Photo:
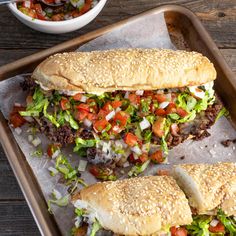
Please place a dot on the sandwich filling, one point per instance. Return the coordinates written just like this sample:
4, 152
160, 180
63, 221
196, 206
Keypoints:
86, 223
122, 127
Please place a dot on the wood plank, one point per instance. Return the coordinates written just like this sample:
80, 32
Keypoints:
16, 219
218, 17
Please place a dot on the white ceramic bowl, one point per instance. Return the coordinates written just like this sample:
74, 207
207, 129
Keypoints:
58, 27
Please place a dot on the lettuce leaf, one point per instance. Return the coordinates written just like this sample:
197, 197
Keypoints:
138, 169
223, 112
95, 227
82, 143
228, 222
51, 118
68, 117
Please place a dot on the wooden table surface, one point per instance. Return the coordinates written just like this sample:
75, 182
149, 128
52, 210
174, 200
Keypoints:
16, 41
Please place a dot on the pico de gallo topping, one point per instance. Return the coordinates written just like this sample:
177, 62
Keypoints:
68, 9
122, 128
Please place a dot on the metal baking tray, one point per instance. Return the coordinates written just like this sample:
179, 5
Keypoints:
186, 32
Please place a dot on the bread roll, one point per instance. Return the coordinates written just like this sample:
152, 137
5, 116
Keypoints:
208, 186
138, 206
123, 69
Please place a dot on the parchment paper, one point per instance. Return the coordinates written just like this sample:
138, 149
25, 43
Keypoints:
149, 32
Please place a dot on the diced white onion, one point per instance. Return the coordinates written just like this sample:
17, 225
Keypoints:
80, 204
82, 165
87, 122
53, 170
83, 98
17, 104
214, 223
106, 146
144, 124
139, 92
164, 105
126, 164
30, 138
136, 150
127, 94
18, 130
78, 221
160, 91
110, 115
135, 156
28, 118
56, 153
27, 4
36, 141
168, 97
118, 109
195, 91
56, 194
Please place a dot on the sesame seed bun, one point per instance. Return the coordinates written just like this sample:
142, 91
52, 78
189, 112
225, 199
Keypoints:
208, 186
124, 69
138, 206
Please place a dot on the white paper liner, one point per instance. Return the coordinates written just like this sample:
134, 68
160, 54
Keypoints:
148, 32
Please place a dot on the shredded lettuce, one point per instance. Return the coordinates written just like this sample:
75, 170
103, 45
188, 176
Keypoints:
37, 153
151, 118
68, 117
51, 118
137, 169
79, 212
223, 112
164, 145
199, 226
228, 222
147, 135
63, 201
95, 227
82, 143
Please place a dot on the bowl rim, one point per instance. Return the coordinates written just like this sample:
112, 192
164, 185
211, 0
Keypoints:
13, 7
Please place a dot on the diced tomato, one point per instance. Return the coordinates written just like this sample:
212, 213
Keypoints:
157, 157
121, 118
86, 7
158, 127
131, 139
49, 1
116, 104
77, 96
171, 108
15, 118
92, 105
100, 125
160, 97
107, 107
174, 129
102, 113
160, 112
92, 116
181, 112
81, 115
52, 148
148, 93
178, 231
83, 106
41, 17
58, 17
134, 99
65, 104
75, 13
94, 171
163, 172
143, 158
219, 228
38, 8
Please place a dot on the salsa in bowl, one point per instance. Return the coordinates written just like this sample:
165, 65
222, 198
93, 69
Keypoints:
69, 19
68, 9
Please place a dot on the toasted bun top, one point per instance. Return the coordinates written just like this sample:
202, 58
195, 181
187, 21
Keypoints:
208, 186
123, 69
138, 206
